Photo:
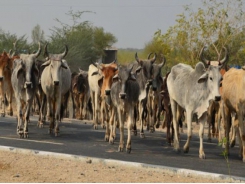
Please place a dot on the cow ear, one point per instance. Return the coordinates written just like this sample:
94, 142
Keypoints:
35, 70
115, 78
74, 85
95, 73
203, 78
132, 77
46, 63
100, 82
63, 65
138, 70
20, 70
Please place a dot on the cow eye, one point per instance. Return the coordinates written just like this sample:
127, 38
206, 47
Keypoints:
211, 78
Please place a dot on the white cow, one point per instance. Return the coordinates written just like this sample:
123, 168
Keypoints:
55, 82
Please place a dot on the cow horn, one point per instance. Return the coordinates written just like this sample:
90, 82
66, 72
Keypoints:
148, 57
154, 58
225, 58
65, 52
46, 54
204, 60
39, 50
10, 52
136, 58
163, 60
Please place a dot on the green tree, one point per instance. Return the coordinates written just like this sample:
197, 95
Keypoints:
216, 24
37, 35
86, 42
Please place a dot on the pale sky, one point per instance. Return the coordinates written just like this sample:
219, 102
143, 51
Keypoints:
132, 22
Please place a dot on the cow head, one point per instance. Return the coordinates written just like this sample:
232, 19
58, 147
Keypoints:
4, 65
156, 73
107, 71
124, 76
147, 67
27, 67
55, 62
78, 82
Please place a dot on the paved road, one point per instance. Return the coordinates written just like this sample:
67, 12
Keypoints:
78, 138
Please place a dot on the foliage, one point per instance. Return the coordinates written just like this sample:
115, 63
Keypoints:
7, 39
216, 24
37, 35
86, 42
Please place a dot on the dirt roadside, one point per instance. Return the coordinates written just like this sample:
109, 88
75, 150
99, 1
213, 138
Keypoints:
17, 167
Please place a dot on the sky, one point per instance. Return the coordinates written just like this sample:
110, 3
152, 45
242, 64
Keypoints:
132, 22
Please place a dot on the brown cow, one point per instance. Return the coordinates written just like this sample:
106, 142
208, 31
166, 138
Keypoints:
5, 84
80, 94
234, 102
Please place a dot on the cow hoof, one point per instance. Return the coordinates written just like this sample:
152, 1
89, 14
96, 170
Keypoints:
50, 131
177, 150
233, 143
2, 114
120, 149
128, 150
106, 138
56, 134
202, 156
135, 132
26, 135
186, 149
95, 127
142, 135
10, 113
103, 126
111, 141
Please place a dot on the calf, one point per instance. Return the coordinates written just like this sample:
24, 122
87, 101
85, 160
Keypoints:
80, 94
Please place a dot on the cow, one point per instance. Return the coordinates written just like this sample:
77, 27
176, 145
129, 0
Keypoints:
80, 94
144, 79
190, 90
24, 80
107, 71
55, 82
125, 92
5, 84
94, 81
234, 103
154, 106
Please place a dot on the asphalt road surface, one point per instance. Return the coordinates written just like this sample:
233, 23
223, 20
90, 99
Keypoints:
78, 138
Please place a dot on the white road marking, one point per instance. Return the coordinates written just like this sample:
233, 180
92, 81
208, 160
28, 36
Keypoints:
18, 139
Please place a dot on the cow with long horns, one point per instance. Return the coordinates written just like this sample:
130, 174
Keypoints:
191, 90
55, 82
24, 80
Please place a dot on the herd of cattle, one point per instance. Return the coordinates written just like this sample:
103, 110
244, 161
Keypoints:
112, 94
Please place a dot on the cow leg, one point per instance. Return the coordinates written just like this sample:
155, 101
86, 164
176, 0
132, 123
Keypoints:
141, 114
121, 122
57, 115
19, 118
227, 124
129, 126
112, 125
27, 115
2, 101
242, 131
234, 126
189, 132
175, 124
41, 120
202, 120
9, 96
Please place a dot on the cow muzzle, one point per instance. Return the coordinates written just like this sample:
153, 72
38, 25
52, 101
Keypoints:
107, 92
28, 85
1, 78
56, 83
122, 95
217, 98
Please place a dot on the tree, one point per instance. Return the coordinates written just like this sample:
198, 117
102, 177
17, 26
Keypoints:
217, 24
86, 42
37, 35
